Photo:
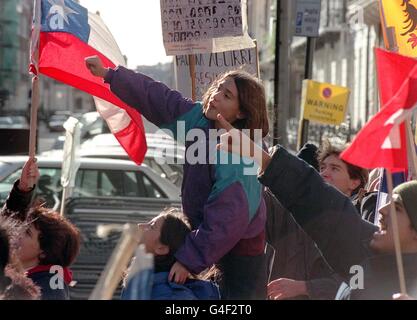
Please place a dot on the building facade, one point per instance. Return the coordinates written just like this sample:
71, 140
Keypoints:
343, 55
15, 84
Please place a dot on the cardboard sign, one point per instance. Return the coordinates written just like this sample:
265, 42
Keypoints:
323, 102
194, 26
209, 66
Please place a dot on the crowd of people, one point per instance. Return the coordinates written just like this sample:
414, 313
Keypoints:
296, 230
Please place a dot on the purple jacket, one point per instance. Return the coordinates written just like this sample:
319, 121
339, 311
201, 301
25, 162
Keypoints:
222, 203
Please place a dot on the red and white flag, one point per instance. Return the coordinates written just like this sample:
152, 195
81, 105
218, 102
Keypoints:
382, 141
66, 33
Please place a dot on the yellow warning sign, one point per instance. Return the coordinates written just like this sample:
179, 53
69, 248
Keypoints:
323, 102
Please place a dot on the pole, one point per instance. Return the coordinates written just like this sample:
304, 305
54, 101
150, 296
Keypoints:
35, 98
34, 116
64, 196
390, 44
276, 73
393, 215
411, 149
191, 59
303, 127
258, 69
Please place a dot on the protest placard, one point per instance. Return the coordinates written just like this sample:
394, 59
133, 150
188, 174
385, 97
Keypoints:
208, 66
200, 26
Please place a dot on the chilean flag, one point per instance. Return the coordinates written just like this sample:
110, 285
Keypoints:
66, 33
382, 141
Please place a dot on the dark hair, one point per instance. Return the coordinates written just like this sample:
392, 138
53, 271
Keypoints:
354, 172
58, 238
4, 258
252, 102
14, 285
174, 229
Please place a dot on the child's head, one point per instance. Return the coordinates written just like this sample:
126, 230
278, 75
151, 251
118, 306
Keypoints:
240, 99
165, 233
14, 285
49, 240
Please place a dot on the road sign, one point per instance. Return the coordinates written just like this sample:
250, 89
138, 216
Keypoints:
324, 103
307, 18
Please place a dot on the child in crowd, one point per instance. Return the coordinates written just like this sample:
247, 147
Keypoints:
162, 236
49, 244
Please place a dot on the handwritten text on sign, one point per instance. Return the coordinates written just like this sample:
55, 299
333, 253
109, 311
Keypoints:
209, 66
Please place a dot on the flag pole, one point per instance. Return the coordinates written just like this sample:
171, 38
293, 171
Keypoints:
393, 215
191, 59
35, 96
35, 100
390, 44
411, 149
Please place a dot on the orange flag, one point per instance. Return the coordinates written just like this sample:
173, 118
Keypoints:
399, 24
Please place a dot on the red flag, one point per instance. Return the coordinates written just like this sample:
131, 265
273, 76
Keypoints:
382, 141
69, 34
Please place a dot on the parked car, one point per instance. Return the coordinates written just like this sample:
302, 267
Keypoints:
167, 165
107, 192
14, 122
93, 124
95, 178
57, 120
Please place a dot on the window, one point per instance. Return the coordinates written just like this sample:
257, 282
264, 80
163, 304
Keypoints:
115, 183
86, 183
49, 177
78, 104
49, 185
132, 187
151, 189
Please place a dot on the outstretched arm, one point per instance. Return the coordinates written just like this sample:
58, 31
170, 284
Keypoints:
158, 103
324, 213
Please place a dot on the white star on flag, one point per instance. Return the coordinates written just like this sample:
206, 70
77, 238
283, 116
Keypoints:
59, 7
